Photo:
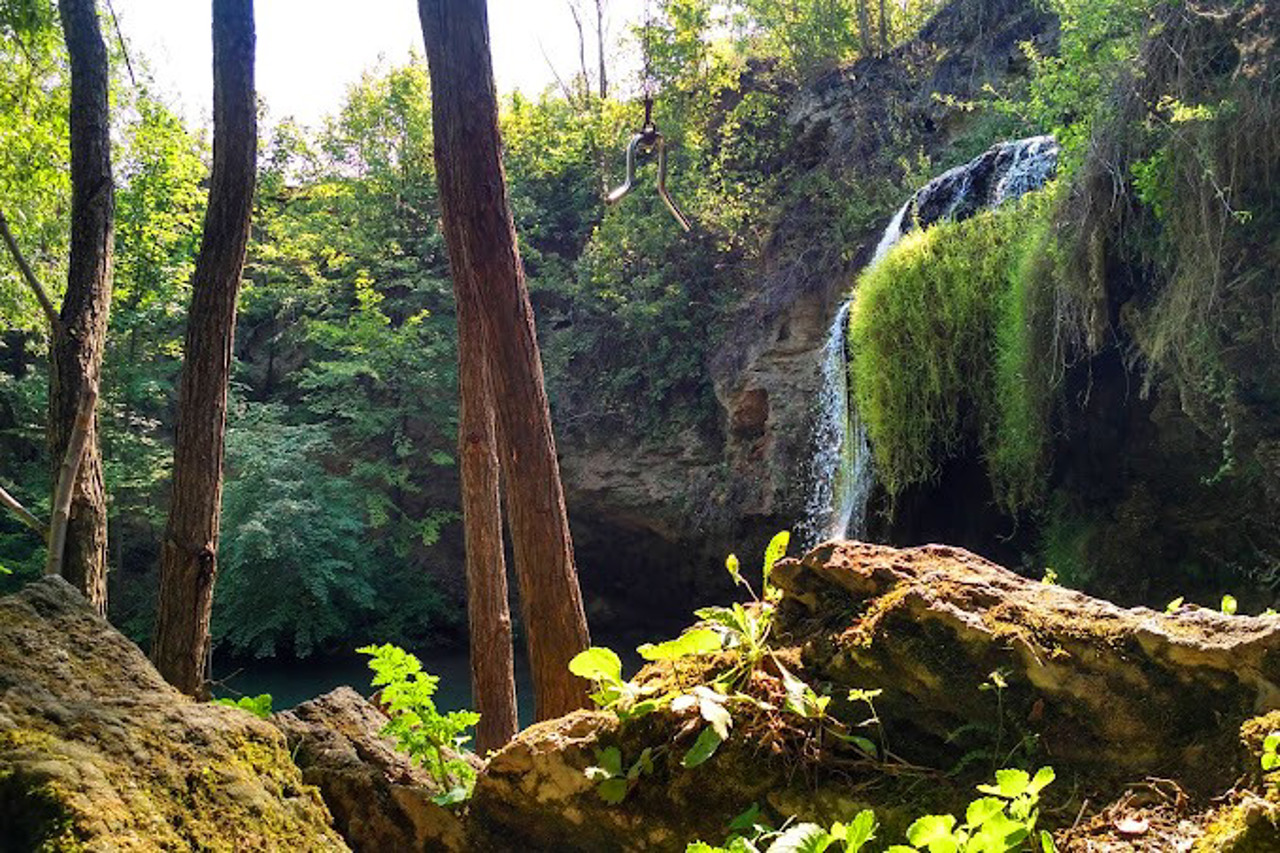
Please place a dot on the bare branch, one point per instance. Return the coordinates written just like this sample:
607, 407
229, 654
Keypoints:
21, 511
568, 93
67, 479
27, 274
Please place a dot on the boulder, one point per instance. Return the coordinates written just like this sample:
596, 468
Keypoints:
379, 798
1120, 692
1108, 696
97, 752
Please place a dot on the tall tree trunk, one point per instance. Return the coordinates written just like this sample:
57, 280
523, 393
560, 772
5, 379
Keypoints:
189, 554
489, 279
80, 335
493, 682
865, 35
884, 27
604, 78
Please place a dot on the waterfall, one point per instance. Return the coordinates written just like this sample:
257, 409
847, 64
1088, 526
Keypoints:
841, 471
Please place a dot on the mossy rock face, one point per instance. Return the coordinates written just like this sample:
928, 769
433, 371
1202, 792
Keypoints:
1112, 691
97, 752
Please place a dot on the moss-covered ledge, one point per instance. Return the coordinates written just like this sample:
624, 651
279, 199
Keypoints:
98, 753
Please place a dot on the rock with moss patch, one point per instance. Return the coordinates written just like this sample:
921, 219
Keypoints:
97, 752
379, 798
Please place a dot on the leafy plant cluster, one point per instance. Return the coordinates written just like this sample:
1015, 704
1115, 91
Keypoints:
1003, 821
434, 740
259, 706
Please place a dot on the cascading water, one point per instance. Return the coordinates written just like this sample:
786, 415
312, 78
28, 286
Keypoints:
841, 471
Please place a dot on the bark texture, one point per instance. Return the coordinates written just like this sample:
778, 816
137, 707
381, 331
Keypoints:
189, 554
493, 682
489, 279
80, 335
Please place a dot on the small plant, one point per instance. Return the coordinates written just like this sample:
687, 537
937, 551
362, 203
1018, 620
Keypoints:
1271, 752
432, 739
796, 838
259, 706
615, 780
1229, 605
1002, 822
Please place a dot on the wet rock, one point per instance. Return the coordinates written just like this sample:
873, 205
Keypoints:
380, 800
97, 752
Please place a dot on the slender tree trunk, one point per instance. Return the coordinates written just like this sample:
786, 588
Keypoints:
189, 554
604, 78
884, 27
489, 279
80, 334
864, 27
493, 681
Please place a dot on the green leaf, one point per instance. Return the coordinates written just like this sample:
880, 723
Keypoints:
1229, 605
1270, 761
1009, 783
983, 809
453, 796
610, 759
704, 747
773, 553
699, 641
934, 832
860, 831
802, 838
746, 820
1046, 842
1172, 606
612, 791
597, 664
734, 567
1044, 776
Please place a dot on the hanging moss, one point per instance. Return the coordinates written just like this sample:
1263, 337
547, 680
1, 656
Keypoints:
947, 341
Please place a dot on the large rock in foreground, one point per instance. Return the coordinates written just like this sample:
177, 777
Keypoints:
1123, 692
97, 752
380, 799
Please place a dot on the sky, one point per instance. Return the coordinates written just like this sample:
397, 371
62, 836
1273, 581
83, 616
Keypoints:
309, 51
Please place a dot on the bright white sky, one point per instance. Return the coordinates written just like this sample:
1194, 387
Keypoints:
309, 51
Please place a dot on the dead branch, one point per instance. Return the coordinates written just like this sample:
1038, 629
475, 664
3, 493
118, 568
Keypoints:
28, 274
21, 511
67, 479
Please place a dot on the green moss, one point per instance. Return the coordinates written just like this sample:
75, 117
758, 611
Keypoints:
946, 336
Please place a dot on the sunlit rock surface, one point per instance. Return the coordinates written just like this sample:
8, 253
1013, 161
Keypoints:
98, 753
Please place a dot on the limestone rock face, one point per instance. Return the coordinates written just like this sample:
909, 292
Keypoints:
1121, 691
97, 752
380, 800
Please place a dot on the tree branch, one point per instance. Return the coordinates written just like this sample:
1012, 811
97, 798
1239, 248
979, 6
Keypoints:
67, 480
27, 274
21, 511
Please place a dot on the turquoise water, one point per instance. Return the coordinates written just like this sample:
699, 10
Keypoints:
291, 682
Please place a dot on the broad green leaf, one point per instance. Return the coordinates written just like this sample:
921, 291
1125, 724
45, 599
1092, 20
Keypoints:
1270, 761
642, 766
1009, 783
597, 664
1044, 776
704, 747
610, 759
612, 791
1046, 842
1229, 605
1173, 606
983, 809
802, 838
1272, 742
933, 832
699, 641
860, 831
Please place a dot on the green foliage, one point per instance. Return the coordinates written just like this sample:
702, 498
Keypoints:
1271, 751
1004, 821
282, 509
849, 837
616, 780
433, 739
259, 706
945, 351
